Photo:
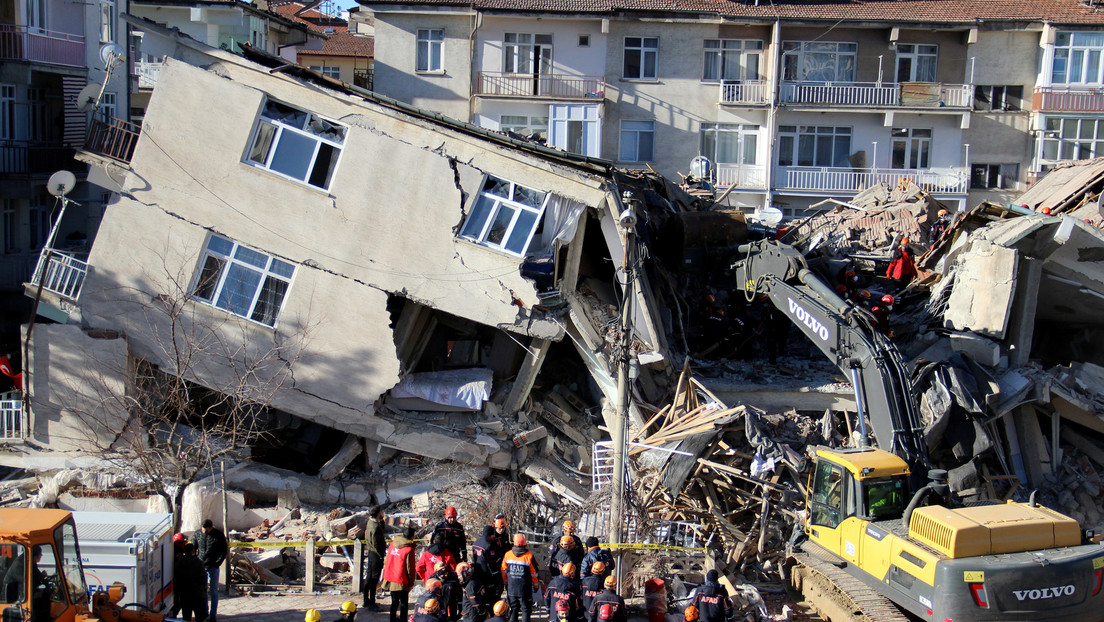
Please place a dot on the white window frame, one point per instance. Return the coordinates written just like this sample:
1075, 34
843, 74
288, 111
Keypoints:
645, 49
917, 54
525, 125
1071, 138
516, 209
108, 19
327, 70
280, 129
731, 60
109, 105
916, 146
37, 16
1080, 56
581, 121
7, 112
213, 282
809, 134
430, 51
799, 56
520, 53
637, 142
746, 140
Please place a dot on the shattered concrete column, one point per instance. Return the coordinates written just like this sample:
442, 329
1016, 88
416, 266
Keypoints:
534, 359
343, 458
1021, 325
1036, 458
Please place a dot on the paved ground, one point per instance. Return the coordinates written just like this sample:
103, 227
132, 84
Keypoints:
289, 607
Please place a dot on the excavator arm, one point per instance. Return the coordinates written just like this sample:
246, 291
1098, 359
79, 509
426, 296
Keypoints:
847, 336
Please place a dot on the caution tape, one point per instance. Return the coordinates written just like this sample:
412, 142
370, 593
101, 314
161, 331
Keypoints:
608, 545
651, 547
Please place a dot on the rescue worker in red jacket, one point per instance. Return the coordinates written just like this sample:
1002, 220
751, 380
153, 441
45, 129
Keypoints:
712, 600
608, 606
398, 573
592, 585
563, 592
436, 553
902, 267
519, 573
455, 540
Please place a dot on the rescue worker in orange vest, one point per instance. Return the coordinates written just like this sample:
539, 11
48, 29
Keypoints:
712, 600
592, 585
563, 591
398, 573
608, 606
519, 573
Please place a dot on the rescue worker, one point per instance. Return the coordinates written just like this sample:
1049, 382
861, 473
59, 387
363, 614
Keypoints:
473, 604
398, 573
450, 590
500, 609
436, 553
575, 552
712, 601
595, 554
429, 611
939, 227
432, 587
454, 537
348, 611
485, 566
502, 541
608, 606
690, 614
902, 267
592, 585
881, 313
374, 550
312, 615
519, 573
563, 594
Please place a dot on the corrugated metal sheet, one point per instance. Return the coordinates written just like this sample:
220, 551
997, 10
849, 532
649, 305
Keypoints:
101, 532
1064, 185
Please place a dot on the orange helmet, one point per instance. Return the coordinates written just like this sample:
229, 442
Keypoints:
432, 605
439, 566
691, 613
904, 241
463, 569
433, 584
598, 568
941, 212
519, 539
450, 512
611, 582
568, 569
1045, 211
500, 523
501, 607
567, 542
569, 527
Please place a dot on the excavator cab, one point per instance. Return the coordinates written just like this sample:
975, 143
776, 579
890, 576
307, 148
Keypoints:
41, 577
867, 483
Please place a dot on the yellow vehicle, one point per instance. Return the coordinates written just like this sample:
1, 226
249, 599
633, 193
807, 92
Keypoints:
41, 577
882, 542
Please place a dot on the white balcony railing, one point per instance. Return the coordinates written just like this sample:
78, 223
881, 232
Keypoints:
11, 416
742, 175
540, 85
62, 275
148, 72
949, 180
745, 92
905, 94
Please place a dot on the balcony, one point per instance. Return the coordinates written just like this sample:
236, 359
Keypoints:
112, 138
147, 72
498, 84
742, 176
948, 180
875, 94
60, 273
22, 157
1068, 99
749, 92
41, 46
11, 416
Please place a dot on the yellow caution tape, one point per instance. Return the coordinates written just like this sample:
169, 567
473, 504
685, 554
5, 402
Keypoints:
608, 545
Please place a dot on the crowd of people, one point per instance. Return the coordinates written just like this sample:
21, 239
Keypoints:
196, 565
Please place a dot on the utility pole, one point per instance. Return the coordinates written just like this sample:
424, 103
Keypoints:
627, 223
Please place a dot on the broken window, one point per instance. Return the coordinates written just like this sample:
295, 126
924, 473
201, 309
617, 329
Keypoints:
998, 98
296, 144
505, 216
242, 281
994, 176
431, 50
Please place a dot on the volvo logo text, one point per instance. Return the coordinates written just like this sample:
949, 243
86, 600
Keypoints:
1046, 592
807, 319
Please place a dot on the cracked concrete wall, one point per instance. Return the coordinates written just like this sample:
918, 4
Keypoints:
387, 225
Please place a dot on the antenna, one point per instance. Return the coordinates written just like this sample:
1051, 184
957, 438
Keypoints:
89, 97
111, 54
61, 183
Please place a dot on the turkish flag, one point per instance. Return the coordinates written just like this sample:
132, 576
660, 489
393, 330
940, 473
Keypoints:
6, 369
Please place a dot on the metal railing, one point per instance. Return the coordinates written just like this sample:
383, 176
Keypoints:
741, 175
1068, 98
11, 416
148, 72
540, 85
112, 138
60, 273
950, 180
745, 92
41, 45
906, 94
22, 157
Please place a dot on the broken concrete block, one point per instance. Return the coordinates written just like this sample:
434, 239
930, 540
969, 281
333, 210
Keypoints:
500, 460
530, 436
549, 446
976, 347
1088, 377
343, 458
419, 503
981, 298
492, 426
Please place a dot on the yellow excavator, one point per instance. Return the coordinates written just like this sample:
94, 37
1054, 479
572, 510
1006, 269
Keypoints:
41, 576
881, 543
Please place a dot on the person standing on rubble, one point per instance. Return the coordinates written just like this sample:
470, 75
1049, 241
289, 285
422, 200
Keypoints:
593, 555
902, 267
939, 227
398, 573
435, 554
454, 537
473, 604
712, 600
485, 565
592, 585
608, 606
563, 595
519, 573
375, 547
212, 548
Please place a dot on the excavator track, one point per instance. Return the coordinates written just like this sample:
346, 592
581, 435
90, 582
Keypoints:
837, 595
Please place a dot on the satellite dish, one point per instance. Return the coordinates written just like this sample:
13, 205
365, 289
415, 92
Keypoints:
61, 183
86, 99
771, 215
111, 54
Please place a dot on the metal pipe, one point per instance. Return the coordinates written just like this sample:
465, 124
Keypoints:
864, 440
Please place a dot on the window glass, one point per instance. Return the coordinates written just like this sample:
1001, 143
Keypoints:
637, 138
1077, 58
641, 56
296, 144
827, 146
885, 497
242, 281
827, 497
505, 216
71, 562
430, 50
13, 572
819, 61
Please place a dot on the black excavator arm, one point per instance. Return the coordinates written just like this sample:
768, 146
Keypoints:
847, 336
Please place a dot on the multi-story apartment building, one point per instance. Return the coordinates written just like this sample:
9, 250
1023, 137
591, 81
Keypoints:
790, 102
345, 55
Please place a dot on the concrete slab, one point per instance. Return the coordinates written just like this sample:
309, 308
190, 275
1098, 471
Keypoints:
981, 298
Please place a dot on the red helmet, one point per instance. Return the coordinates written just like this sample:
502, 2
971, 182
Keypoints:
605, 612
841, 289
500, 523
887, 300
1045, 211
450, 512
904, 241
179, 538
519, 539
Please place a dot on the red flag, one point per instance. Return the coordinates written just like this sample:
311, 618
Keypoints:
6, 369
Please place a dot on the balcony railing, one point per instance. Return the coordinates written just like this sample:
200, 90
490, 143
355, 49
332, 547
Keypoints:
11, 416
950, 180
61, 273
148, 72
745, 92
742, 175
112, 138
905, 94
41, 45
1068, 98
21, 157
540, 85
